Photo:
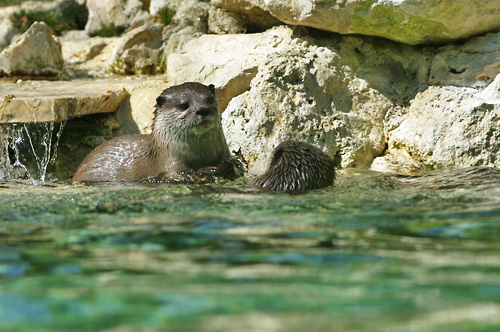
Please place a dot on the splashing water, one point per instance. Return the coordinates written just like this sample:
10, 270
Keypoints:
30, 148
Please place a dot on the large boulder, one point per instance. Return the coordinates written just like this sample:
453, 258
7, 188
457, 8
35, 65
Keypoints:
138, 51
408, 21
446, 127
36, 54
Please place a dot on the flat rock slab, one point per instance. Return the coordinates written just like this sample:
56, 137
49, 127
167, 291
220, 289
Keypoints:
46, 101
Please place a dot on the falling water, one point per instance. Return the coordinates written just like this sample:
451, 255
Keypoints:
30, 148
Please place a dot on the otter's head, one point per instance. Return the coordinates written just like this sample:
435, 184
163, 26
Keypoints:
186, 111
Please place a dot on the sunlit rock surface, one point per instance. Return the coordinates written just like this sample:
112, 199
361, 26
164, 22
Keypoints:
447, 127
408, 21
78, 51
227, 61
138, 51
36, 54
56, 101
120, 13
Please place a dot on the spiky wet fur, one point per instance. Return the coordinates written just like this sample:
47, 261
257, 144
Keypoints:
296, 166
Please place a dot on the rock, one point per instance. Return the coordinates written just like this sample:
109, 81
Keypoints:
227, 61
37, 54
221, 21
191, 13
408, 21
252, 14
120, 13
83, 50
74, 36
474, 64
446, 127
138, 51
57, 101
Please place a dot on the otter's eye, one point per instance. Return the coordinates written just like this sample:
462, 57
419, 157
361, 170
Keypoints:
183, 106
161, 100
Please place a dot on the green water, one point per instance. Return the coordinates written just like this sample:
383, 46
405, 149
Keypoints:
373, 253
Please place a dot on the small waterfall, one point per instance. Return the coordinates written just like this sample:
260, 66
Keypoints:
29, 148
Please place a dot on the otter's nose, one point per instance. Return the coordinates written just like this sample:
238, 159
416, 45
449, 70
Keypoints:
204, 111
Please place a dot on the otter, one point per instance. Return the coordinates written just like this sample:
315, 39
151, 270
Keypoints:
186, 135
296, 166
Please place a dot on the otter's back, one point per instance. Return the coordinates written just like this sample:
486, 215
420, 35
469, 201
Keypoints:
111, 161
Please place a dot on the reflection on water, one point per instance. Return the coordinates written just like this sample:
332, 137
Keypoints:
373, 253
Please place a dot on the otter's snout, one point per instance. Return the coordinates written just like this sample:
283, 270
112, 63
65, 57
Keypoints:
203, 111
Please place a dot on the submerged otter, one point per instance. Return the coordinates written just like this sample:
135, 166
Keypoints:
186, 135
296, 166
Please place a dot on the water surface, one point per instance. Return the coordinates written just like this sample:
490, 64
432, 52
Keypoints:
375, 252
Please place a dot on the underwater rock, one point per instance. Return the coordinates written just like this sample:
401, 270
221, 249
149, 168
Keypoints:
36, 54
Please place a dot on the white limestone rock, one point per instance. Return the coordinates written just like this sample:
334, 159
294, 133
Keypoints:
36, 54
120, 13
138, 51
227, 61
221, 21
446, 127
84, 50
34, 101
408, 21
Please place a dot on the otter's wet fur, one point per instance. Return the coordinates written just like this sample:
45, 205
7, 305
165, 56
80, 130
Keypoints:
186, 134
296, 166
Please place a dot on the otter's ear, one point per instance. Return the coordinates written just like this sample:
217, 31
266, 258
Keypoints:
212, 88
160, 100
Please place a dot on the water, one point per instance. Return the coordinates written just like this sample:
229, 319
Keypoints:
373, 253
30, 148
